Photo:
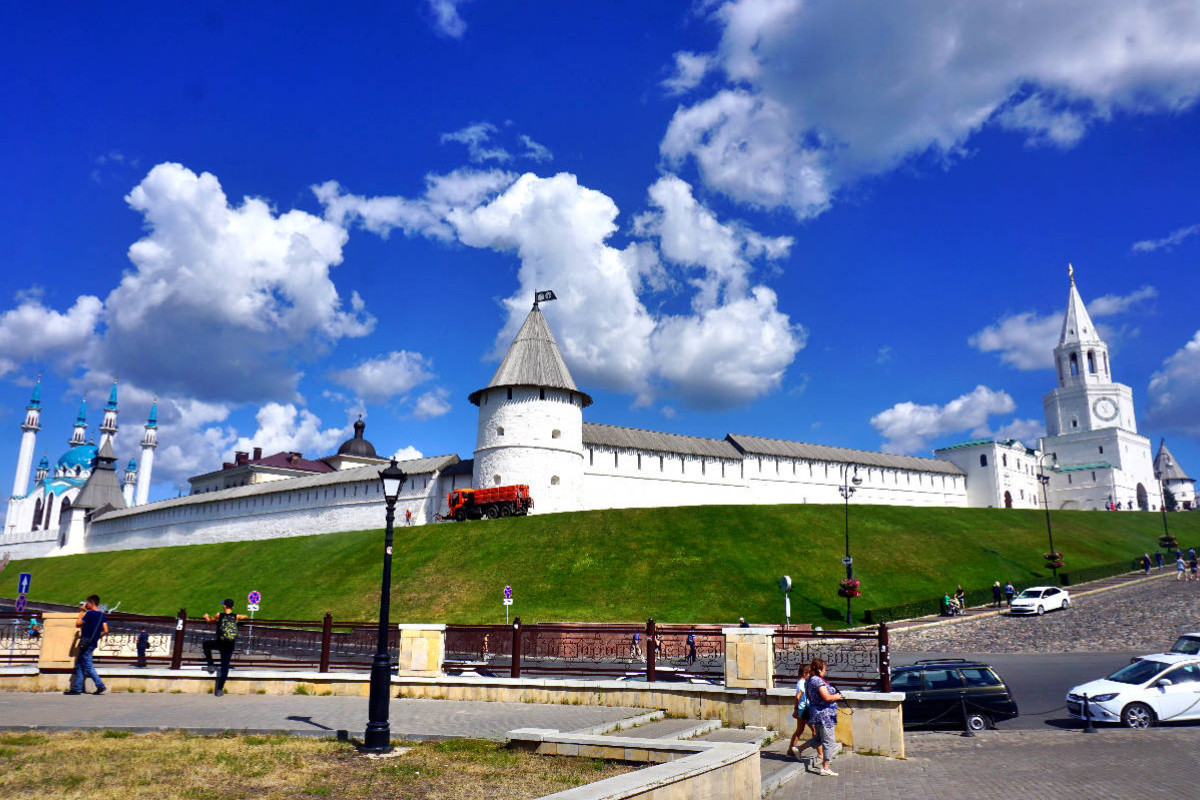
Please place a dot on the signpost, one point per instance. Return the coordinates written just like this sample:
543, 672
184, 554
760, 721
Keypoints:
252, 601
23, 581
21, 604
785, 586
507, 602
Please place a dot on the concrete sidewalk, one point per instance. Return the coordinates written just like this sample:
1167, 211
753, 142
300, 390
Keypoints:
1110, 764
292, 714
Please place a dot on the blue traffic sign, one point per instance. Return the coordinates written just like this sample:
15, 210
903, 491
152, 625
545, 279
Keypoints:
254, 597
508, 593
20, 604
23, 581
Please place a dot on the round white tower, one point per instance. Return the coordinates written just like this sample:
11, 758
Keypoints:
29, 432
149, 442
129, 482
531, 421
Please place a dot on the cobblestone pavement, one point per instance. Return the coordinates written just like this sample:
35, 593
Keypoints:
1031, 765
295, 714
1143, 617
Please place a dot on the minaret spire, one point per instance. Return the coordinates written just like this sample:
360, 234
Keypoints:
79, 436
29, 431
108, 428
149, 442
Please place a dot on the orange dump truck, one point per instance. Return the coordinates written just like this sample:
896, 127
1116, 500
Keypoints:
498, 501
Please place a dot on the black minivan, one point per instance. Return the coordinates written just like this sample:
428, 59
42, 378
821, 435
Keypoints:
936, 691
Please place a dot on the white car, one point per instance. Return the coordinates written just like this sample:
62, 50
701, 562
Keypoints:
1040, 599
1152, 689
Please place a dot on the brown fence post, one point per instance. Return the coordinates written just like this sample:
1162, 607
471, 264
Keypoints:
326, 638
885, 660
650, 650
177, 643
516, 648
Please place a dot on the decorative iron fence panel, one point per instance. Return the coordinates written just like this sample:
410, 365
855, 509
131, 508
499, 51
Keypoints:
853, 657
19, 642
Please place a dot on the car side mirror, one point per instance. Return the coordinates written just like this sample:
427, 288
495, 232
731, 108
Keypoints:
1163, 683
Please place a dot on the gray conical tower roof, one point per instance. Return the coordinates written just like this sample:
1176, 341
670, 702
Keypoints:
102, 487
533, 359
1166, 468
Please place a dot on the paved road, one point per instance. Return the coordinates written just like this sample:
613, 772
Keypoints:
1039, 682
1031, 765
1142, 617
296, 714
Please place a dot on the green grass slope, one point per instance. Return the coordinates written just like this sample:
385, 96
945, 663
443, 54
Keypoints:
677, 565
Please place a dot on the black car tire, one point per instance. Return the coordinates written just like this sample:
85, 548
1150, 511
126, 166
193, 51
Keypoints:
1041, 611
1138, 716
1066, 604
978, 722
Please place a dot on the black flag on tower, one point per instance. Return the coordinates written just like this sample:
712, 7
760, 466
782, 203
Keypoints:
541, 297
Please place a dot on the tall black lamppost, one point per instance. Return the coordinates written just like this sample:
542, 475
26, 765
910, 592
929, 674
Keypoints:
378, 736
846, 490
1162, 487
1044, 479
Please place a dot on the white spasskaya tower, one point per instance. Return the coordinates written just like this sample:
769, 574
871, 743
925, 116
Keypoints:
1091, 424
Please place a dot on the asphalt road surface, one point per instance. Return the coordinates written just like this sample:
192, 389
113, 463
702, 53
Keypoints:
1038, 681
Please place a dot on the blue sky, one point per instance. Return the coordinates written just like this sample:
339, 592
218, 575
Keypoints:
832, 222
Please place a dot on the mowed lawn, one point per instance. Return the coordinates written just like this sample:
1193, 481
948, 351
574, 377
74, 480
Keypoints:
701, 564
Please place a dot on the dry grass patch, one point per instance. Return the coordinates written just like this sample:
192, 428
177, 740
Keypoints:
179, 766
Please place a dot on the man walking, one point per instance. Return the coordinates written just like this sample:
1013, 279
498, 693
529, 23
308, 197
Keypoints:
227, 631
92, 625
1009, 592
691, 646
143, 642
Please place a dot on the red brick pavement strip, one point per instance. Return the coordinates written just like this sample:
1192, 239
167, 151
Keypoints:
1031, 765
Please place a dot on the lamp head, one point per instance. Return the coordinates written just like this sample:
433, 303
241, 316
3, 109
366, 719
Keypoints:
392, 478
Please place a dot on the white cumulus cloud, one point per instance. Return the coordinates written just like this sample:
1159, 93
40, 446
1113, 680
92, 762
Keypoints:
282, 427
690, 69
31, 331
1027, 431
1175, 391
476, 137
383, 377
909, 427
560, 231
432, 404
837, 91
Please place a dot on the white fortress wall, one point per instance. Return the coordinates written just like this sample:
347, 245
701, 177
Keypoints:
780, 479
616, 477
349, 506
29, 544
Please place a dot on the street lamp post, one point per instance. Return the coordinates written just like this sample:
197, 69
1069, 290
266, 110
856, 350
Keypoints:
846, 490
378, 736
1044, 479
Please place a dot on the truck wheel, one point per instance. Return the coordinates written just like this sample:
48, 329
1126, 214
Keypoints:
459, 516
505, 510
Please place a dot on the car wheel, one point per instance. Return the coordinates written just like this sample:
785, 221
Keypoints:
978, 722
1138, 716
1066, 603
1041, 611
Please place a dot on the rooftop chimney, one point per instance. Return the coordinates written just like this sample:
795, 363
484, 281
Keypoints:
241, 457
257, 453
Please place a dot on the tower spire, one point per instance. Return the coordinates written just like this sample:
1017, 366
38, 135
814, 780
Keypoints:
79, 436
29, 430
108, 428
149, 443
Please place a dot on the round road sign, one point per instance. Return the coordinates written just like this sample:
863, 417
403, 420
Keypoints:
508, 593
20, 604
254, 598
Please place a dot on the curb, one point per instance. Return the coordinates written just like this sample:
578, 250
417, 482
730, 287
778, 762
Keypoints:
985, 614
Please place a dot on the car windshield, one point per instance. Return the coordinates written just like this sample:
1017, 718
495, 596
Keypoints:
1188, 645
1030, 594
1139, 671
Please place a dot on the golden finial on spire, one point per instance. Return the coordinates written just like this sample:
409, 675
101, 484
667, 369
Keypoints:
1071, 273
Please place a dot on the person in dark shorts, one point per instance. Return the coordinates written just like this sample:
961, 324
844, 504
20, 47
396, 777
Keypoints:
143, 643
227, 631
997, 593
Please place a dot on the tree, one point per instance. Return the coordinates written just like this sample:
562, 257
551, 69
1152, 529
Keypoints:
1169, 502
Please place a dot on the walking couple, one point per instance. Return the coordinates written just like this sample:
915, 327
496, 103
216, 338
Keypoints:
816, 707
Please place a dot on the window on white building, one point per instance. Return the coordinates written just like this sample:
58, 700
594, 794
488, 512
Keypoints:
554, 480
500, 430
496, 480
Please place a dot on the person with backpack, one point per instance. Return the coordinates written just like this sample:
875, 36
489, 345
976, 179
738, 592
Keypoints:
227, 630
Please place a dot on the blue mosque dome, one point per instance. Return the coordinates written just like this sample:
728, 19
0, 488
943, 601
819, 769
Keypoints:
82, 456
